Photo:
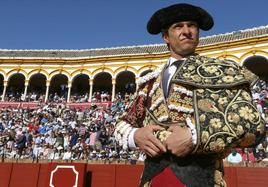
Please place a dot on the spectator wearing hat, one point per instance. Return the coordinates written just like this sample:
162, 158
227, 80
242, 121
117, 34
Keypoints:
234, 157
180, 117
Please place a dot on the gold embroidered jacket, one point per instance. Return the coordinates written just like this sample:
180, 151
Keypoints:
212, 93
215, 94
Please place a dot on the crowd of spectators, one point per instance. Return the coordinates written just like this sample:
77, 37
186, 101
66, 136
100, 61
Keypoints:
18, 96
79, 98
13, 96
57, 98
55, 132
260, 96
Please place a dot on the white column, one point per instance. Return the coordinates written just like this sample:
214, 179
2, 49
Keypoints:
4, 91
113, 91
69, 91
47, 89
25, 89
90, 89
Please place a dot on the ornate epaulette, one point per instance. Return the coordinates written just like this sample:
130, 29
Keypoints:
149, 76
206, 72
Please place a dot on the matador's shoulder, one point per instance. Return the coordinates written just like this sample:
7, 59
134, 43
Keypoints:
149, 77
202, 71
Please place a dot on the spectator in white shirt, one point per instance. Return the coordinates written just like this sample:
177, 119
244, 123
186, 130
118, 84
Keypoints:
234, 157
67, 155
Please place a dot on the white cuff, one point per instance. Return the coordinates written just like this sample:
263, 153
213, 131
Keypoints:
131, 141
125, 133
193, 130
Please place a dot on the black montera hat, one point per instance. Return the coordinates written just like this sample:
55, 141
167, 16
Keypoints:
165, 17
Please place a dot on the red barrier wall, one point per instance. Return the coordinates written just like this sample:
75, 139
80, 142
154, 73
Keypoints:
246, 176
128, 174
43, 175
110, 175
5, 173
230, 176
25, 174
102, 175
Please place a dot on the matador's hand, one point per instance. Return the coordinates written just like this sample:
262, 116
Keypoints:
179, 142
147, 142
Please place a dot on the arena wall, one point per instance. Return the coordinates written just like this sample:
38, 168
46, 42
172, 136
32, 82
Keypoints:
105, 175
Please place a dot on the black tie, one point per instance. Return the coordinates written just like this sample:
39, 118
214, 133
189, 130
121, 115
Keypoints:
177, 63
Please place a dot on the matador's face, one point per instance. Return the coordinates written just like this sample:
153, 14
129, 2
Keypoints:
182, 38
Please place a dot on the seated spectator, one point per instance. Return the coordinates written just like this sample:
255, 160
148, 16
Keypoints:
234, 157
67, 155
260, 155
248, 156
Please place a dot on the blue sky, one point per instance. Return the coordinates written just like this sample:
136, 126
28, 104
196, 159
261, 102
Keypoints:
86, 24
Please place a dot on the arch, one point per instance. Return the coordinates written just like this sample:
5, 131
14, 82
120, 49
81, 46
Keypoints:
258, 65
126, 82
37, 84
58, 86
252, 53
79, 72
15, 86
102, 82
101, 70
80, 88
125, 68
36, 71
15, 71
58, 72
